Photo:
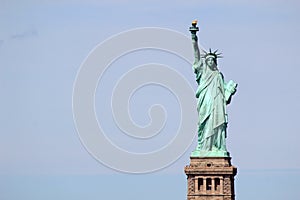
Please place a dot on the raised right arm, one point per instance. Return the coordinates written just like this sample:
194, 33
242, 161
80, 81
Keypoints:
196, 48
197, 66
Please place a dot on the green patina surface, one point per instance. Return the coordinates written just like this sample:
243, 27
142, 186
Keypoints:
213, 95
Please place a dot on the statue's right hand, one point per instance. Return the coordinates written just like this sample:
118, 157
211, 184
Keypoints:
194, 37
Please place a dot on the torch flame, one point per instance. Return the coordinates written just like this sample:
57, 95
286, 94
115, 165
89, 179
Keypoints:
194, 23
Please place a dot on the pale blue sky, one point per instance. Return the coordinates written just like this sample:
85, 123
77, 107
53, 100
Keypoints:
43, 43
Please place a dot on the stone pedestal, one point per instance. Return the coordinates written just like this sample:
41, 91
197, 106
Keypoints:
210, 178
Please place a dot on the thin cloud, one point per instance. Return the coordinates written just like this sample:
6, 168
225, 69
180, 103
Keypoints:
25, 34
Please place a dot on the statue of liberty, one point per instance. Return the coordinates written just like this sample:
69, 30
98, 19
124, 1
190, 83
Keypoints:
213, 95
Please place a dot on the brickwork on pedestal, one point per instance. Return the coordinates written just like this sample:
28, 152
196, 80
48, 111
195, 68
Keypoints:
210, 178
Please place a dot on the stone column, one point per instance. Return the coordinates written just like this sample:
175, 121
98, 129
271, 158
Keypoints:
221, 185
196, 184
204, 184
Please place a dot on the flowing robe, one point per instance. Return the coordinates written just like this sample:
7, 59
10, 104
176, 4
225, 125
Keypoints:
211, 108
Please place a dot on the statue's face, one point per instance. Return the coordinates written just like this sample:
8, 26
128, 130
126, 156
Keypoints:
210, 63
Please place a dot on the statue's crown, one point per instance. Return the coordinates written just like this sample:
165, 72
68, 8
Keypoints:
214, 54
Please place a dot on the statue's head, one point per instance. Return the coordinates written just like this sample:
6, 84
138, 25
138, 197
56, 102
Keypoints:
211, 61
211, 58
